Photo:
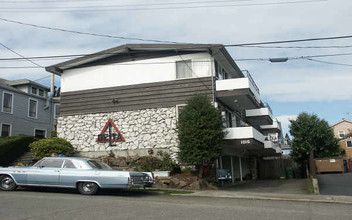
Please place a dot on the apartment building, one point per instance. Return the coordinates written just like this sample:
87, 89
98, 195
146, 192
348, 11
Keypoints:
127, 99
26, 109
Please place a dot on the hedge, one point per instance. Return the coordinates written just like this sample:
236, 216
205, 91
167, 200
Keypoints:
46, 147
11, 148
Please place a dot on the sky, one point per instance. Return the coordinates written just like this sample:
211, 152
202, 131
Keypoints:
321, 85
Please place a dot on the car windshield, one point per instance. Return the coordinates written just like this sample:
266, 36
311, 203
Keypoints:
95, 164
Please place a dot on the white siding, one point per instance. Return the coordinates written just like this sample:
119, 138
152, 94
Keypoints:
131, 73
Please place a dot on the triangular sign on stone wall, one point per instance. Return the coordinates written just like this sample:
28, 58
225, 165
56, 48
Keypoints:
113, 137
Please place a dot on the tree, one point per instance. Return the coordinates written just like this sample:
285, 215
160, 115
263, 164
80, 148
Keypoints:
200, 132
312, 134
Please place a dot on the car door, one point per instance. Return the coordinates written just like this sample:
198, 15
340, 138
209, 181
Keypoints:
69, 174
47, 172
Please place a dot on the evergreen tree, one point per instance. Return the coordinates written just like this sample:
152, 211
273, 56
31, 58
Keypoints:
200, 132
311, 133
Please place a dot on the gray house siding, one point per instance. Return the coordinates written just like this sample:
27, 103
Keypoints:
19, 120
134, 97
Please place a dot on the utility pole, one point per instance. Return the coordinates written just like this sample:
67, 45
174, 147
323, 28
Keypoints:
52, 88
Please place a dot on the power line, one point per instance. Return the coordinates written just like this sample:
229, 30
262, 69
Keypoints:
46, 1
298, 47
326, 62
168, 8
133, 5
21, 55
289, 41
87, 33
238, 59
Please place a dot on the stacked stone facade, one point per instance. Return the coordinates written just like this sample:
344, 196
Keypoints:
142, 130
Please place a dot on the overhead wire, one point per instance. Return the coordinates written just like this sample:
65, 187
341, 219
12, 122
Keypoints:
327, 62
88, 33
168, 8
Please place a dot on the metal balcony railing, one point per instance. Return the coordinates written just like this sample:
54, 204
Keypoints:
246, 73
268, 106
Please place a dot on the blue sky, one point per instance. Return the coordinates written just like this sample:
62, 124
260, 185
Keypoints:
290, 88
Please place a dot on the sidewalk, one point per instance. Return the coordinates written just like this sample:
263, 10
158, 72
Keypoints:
271, 196
281, 190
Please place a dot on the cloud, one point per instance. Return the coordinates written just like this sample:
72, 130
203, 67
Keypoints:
288, 82
285, 122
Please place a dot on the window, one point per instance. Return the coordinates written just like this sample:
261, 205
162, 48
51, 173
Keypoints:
34, 90
179, 109
349, 143
184, 69
32, 109
5, 130
341, 134
39, 133
69, 164
56, 110
7, 102
41, 92
52, 163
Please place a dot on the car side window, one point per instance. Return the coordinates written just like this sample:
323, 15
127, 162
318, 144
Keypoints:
52, 163
69, 164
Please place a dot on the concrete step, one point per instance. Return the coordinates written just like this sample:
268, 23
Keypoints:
26, 159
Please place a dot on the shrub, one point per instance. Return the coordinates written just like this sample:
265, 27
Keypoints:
166, 163
11, 148
146, 164
53, 134
45, 147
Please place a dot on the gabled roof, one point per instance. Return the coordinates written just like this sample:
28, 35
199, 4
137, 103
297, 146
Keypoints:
130, 52
25, 82
4, 84
343, 120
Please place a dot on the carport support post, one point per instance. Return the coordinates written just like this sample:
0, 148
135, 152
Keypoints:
220, 162
240, 161
232, 173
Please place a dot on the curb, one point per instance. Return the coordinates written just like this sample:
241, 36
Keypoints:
268, 198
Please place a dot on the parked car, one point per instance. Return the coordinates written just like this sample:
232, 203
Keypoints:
86, 175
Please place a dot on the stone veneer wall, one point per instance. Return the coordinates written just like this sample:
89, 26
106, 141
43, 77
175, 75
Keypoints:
142, 129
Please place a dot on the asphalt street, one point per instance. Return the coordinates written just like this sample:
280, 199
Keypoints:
62, 204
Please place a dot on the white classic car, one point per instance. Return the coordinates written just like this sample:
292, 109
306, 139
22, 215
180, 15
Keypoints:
86, 175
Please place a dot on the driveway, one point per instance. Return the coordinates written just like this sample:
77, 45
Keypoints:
335, 184
290, 186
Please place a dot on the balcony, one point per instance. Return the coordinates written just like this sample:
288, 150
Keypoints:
260, 116
243, 138
238, 93
273, 128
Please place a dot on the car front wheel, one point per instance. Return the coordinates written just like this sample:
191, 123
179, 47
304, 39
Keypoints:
87, 188
7, 183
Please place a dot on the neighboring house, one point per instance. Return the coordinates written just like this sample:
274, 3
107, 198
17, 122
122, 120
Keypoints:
342, 128
346, 145
127, 99
26, 109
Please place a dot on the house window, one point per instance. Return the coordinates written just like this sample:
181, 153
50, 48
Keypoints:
34, 90
7, 102
341, 134
349, 143
184, 69
41, 92
32, 109
39, 133
5, 130
56, 110
179, 109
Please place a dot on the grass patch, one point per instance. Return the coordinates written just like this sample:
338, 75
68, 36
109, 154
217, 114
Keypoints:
310, 186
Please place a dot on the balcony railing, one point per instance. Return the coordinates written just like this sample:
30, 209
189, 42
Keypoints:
246, 72
268, 106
